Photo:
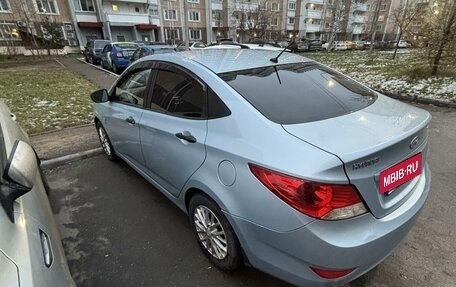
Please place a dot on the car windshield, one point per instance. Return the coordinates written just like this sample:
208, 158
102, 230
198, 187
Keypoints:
126, 45
100, 44
300, 92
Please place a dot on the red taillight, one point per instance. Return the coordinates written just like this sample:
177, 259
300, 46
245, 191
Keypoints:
331, 274
311, 198
119, 55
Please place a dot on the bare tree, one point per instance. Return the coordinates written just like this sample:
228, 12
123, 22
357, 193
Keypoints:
252, 18
373, 28
439, 31
403, 16
336, 12
27, 15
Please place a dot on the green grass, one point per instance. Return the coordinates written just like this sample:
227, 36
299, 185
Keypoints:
44, 100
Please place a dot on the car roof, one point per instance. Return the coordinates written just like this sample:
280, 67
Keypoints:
228, 60
157, 47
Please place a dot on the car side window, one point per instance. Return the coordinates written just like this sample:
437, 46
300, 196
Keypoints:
132, 89
135, 55
142, 53
178, 94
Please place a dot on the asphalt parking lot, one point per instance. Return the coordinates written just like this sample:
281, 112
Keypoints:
117, 230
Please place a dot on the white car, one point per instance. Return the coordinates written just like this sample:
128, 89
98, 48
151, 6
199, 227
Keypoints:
403, 44
191, 46
31, 252
340, 46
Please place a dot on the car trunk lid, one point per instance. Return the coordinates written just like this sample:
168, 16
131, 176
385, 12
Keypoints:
370, 141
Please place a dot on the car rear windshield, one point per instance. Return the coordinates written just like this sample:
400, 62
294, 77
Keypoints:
126, 45
100, 44
300, 92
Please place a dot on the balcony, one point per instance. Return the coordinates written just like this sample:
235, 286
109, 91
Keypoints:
360, 7
86, 17
128, 18
245, 7
312, 28
319, 2
357, 29
313, 14
138, 1
216, 6
217, 23
358, 19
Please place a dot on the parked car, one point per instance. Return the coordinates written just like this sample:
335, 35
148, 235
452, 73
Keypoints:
274, 159
148, 50
265, 46
93, 49
340, 46
191, 46
350, 45
116, 56
31, 252
360, 45
403, 44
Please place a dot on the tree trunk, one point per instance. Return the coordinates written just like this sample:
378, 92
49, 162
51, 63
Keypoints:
397, 43
374, 25
443, 42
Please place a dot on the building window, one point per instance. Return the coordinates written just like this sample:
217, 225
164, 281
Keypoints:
291, 20
383, 7
120, 38
46, 6
8, 31
193, 1
292, 6
4, 7
115, 7
193, 16
275, 6
195, 34
84, 5
379, 27
137, 9
274, 22
381, 18
153, 10
172, 34
170, 15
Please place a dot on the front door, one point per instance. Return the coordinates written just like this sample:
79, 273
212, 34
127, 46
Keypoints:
174, 128
126, 109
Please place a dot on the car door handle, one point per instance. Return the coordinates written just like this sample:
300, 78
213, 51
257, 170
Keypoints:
189, 138
130, 120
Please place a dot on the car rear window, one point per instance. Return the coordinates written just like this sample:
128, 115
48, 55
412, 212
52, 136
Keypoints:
126, 45
299, 93
100, 44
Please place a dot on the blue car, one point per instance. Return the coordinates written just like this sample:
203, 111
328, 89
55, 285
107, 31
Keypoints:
116, 56
148, 50
278, 161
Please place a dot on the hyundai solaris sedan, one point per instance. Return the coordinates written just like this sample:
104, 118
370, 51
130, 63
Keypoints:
280, 162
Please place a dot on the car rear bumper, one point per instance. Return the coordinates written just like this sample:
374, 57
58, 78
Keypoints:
360, 243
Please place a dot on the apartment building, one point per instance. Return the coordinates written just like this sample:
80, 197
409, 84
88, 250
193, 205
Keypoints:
207, 20
22, 22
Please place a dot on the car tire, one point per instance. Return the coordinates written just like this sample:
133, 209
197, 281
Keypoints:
86, 58
214, 233
105, 142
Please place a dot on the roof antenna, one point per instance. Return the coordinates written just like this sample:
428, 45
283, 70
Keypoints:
276, 59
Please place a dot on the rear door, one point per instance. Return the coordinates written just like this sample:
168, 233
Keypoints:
125, 110
174, 127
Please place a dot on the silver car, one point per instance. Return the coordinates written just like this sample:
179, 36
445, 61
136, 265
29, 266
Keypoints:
31, 253
279, 161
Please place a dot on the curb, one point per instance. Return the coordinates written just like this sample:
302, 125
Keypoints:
415, 99
55, 162
99, 68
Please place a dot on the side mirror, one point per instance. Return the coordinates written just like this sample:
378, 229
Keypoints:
20, 172
100, 96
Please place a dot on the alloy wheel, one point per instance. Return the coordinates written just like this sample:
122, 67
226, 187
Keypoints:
210, 232
104, 141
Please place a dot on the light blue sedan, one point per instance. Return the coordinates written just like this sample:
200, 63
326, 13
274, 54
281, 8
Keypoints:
280, 162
